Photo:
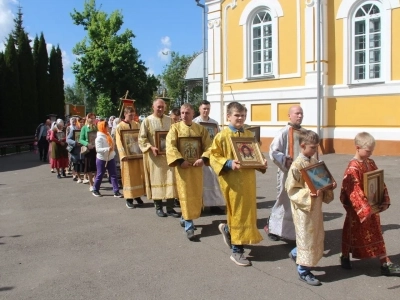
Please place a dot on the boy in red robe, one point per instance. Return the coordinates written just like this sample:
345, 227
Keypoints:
362, 233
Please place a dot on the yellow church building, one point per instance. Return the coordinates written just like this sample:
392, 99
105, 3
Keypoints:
263, 54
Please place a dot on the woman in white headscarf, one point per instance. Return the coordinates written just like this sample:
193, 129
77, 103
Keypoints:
59, 153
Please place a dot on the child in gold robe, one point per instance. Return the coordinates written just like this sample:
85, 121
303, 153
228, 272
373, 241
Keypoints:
238, 187
307, 210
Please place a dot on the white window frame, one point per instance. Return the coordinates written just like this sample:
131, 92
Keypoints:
274, 9
346, 10
367, 47
263, 47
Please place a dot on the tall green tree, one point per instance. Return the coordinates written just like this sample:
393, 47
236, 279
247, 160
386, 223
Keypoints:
60, 81
56, 82
174, 78
3, 102
18, 27
27, 77
42, 76
107, 62
13, 91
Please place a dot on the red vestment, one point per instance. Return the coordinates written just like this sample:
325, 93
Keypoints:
362, 233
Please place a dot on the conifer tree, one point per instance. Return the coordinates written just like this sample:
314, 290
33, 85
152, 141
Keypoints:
13, 109
56, 81
60, 81
3, 103
18, 29
27, 76
42, 76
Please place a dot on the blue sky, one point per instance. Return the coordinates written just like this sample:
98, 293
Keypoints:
159, 26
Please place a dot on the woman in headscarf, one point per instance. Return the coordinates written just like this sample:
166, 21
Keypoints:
59, 153
90, 157
105, 159
113, 130
76, 157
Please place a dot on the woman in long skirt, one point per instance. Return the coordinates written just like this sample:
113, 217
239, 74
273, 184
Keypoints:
59, 153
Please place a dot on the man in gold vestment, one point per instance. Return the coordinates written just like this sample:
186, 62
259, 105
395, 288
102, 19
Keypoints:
189, 175
159, 177
131, 169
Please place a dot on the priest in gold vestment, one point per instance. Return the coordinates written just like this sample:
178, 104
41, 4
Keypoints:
307, 210
238, 186
131, 169
159, 177
189, 175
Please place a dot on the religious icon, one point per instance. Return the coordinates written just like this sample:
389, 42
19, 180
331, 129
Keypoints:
60, 135
190, 148
256, 132
161, 142
77, 134
212, 129
92, 137
130, 142
247, 152
374, 188
317, 177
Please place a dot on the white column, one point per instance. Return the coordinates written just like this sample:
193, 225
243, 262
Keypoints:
214, 57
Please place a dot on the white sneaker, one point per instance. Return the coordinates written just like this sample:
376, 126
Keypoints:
91, 188
79, 181
85, 181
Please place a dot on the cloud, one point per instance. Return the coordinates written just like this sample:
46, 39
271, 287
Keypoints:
6, 20
166, 41
165, 53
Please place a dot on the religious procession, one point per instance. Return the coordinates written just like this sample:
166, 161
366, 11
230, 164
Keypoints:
178, 163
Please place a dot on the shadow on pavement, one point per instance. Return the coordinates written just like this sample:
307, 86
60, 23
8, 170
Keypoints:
269, 253
210, 229
331, 216
21, 161
265, 204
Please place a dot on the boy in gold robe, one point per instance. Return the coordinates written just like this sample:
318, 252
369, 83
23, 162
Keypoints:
238, 187
307, 210
188, 175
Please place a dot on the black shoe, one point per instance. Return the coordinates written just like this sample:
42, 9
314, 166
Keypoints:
345, 262
274, 237
63, 174
96, 193
390, 270
129, 204
292, 257
309, 278
173, 213
139, 201
161, 213
118, 195
216, 210
58, 176
190, 234
176, 203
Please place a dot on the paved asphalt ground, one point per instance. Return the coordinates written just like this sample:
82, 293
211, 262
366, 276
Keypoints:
57, 241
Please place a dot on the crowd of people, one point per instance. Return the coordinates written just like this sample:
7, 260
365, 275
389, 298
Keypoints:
214, 178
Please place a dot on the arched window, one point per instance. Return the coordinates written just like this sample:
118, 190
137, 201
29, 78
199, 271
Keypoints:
366, 44
262, 52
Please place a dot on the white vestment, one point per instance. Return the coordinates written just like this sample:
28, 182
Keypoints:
281, 220
212, 195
